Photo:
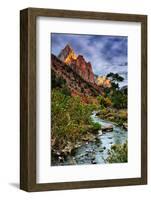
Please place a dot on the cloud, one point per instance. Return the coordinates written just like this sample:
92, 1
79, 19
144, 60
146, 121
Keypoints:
106, 53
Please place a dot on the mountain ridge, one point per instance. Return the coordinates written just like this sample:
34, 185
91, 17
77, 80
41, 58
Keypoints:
76, 84
77, 63
67, 54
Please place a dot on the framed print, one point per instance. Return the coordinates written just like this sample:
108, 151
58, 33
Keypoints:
83, 99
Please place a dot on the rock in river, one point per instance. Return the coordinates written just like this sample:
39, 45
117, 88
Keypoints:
107, 128
100, 132
93, 162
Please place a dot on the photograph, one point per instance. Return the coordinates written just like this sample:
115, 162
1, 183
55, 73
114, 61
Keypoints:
89, 99
83, 99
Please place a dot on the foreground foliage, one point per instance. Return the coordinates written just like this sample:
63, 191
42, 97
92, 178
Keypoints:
118, 153
70, 119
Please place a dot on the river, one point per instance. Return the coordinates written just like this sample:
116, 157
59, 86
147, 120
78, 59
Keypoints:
97, 152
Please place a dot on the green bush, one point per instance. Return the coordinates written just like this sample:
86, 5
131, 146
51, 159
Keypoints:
119, 100
104, 101
95, 126
118, 153
70, 118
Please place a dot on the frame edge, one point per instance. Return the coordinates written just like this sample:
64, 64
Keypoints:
27, 101
27, 86
23, 99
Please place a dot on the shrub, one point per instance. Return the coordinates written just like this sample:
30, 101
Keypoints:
118, 153
95, 126
65, 90
104, 101
70, 118
56, 81
119, 100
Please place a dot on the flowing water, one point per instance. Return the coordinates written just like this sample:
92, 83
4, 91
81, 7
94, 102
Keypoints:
97, 152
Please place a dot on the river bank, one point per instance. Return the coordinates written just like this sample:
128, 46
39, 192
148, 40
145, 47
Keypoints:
117, 116
94, 147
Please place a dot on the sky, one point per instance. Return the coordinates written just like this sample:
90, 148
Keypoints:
106, 53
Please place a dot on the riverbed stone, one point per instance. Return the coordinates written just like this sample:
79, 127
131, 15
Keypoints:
100, 132
107, 128
61, 159
58, 153
98, 113
93, 162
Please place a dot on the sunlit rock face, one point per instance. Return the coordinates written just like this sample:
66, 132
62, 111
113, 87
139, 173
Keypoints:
67, 55
77, 63
103, 81
84, 69
75, 83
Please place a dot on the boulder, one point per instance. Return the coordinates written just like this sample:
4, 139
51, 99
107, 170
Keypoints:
107, 128
100, 132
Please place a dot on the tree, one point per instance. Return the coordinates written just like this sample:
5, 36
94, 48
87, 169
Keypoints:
118, 97
119, 100
115, 77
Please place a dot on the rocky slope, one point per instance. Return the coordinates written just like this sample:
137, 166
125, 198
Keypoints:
77, 63
73, 78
